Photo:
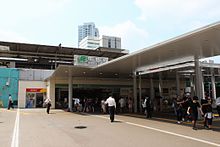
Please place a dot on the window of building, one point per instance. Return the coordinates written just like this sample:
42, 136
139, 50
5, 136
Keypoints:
109, 43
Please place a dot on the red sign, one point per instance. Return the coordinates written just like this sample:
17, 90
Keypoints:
35, 89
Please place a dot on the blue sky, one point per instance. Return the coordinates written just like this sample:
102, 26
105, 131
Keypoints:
140, 23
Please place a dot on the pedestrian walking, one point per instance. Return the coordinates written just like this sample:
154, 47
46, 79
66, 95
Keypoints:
179, 109
187, 100
218, 105
111, 106
174, 105
10, 102
122, 104
207, 111
77, 104
86, 105
148, 107
103, 107
130, 105
48, 104
193, 111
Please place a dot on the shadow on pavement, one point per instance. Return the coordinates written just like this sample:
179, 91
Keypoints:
116, 121
81, 113
52, 113
80, 127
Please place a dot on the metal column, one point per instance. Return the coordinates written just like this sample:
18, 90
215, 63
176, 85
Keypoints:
199, 80
160, 90
140, 92
160, 84
213, 84
203, 88
177, 84
151, 87
192, 85
152, 96
70, 91
135, 91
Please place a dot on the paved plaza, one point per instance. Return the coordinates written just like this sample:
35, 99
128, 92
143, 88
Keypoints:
35, 128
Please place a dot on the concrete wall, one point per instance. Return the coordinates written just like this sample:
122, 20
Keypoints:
34, 74
50, 85
22, 90
8, 85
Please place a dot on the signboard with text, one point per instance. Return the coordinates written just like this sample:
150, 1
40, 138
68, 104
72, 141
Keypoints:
90, 61
36, 89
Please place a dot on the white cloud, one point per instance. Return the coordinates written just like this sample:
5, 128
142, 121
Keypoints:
132, 37
177, 17
178, 10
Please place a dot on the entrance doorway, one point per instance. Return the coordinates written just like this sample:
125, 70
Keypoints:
39, 100
84, 93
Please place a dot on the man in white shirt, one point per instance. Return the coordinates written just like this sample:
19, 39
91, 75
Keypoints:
10, 102
111, 106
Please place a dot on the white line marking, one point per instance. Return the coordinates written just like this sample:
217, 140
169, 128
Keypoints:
100, 116
175, 134
167, 132
15, 138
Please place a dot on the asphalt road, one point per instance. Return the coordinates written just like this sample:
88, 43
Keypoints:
35, 128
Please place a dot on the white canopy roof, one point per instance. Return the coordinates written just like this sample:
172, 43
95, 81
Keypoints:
201, 43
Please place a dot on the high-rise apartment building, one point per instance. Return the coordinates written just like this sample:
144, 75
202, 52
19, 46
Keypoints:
87, 29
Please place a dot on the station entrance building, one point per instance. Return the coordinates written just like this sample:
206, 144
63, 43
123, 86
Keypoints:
163, 70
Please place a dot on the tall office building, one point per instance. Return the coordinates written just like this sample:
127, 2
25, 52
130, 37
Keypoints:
87, 29
88, 37
110, 42
90, 42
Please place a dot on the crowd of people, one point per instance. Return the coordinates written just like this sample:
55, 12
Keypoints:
186, 109
191, 108
97, 105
